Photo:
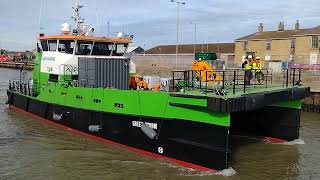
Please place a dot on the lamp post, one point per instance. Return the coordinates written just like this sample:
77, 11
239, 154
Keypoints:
195, 36
178, 16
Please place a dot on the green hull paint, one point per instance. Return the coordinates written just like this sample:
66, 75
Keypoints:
138, 103
289, 104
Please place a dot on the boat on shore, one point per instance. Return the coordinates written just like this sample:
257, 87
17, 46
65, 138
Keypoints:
82, 82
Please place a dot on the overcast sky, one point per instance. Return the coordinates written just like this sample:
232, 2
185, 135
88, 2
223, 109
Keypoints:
153, 22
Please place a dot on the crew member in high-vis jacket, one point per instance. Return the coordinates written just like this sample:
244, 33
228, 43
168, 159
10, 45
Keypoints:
247, 66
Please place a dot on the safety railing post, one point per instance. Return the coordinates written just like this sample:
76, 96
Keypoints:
192, 79
200, 79
287, 79
293, 77
206, 80
185, 80
299, 74
223, 79
20, 86
234, 82
29, 91
188, 79
267, 78
244, 82
173, 80
24, 89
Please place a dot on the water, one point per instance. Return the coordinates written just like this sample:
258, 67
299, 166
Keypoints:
32, 149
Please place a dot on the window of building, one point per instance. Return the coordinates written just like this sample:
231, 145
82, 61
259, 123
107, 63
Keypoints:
293, 43
314, 42
66, 46
52, 45
101, 49
44, 45
84, 47
245, 46
268, 45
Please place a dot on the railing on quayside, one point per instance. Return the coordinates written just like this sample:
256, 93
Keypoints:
233, 80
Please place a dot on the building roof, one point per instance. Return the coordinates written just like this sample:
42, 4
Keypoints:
189, 48
287, 34
136, 49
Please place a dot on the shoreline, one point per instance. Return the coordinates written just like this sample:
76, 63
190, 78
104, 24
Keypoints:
17, 65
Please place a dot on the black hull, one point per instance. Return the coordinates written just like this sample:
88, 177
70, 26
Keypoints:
197, 145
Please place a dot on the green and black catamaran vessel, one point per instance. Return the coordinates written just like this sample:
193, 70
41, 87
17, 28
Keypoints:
82, 82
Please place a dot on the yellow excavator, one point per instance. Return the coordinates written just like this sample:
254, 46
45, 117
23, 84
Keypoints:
203, 69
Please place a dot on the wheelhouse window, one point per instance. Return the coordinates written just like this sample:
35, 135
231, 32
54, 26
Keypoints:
84, 47
66, 46
101, 49
314, 42
52, 45
121, 49
112, 47
44, 45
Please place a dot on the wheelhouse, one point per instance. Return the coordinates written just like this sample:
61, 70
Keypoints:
84, 45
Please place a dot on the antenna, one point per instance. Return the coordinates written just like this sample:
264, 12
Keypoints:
76, 17
40, 15
108, 28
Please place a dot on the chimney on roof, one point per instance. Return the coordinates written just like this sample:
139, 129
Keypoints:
260, 29
297, 25
281, 26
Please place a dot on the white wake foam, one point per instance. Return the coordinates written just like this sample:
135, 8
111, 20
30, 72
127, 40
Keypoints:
227, 172
294, 142
191, 172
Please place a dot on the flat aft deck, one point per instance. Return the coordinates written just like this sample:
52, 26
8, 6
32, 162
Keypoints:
252, 89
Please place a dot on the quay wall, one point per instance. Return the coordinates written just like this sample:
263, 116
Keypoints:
17, 65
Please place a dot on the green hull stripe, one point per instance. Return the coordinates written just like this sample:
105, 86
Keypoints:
289, 104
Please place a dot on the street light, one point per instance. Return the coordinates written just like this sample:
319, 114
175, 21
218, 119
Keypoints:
178, 14
195, 36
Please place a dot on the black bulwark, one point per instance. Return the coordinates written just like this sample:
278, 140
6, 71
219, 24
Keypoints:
249, 102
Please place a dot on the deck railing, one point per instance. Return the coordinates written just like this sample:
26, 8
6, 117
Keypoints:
233, 80
22, 88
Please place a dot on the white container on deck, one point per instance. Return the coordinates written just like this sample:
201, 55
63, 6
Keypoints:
151, 80
165, 84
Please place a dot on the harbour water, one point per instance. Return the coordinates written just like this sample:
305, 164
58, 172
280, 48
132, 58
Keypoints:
32, 149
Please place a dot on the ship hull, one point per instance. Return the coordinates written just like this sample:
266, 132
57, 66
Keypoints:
197, 145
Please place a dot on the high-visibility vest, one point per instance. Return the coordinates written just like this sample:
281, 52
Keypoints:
259, 67
255, 66
247, 67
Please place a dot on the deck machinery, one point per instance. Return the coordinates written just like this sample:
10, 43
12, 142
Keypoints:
82, 82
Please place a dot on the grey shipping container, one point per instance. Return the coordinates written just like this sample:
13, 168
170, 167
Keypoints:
103, 72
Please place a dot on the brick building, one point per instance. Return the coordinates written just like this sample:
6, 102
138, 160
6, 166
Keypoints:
300, 46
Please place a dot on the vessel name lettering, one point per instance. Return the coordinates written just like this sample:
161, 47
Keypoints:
139, 123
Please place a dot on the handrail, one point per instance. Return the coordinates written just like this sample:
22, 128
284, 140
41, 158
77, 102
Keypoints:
232, 79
